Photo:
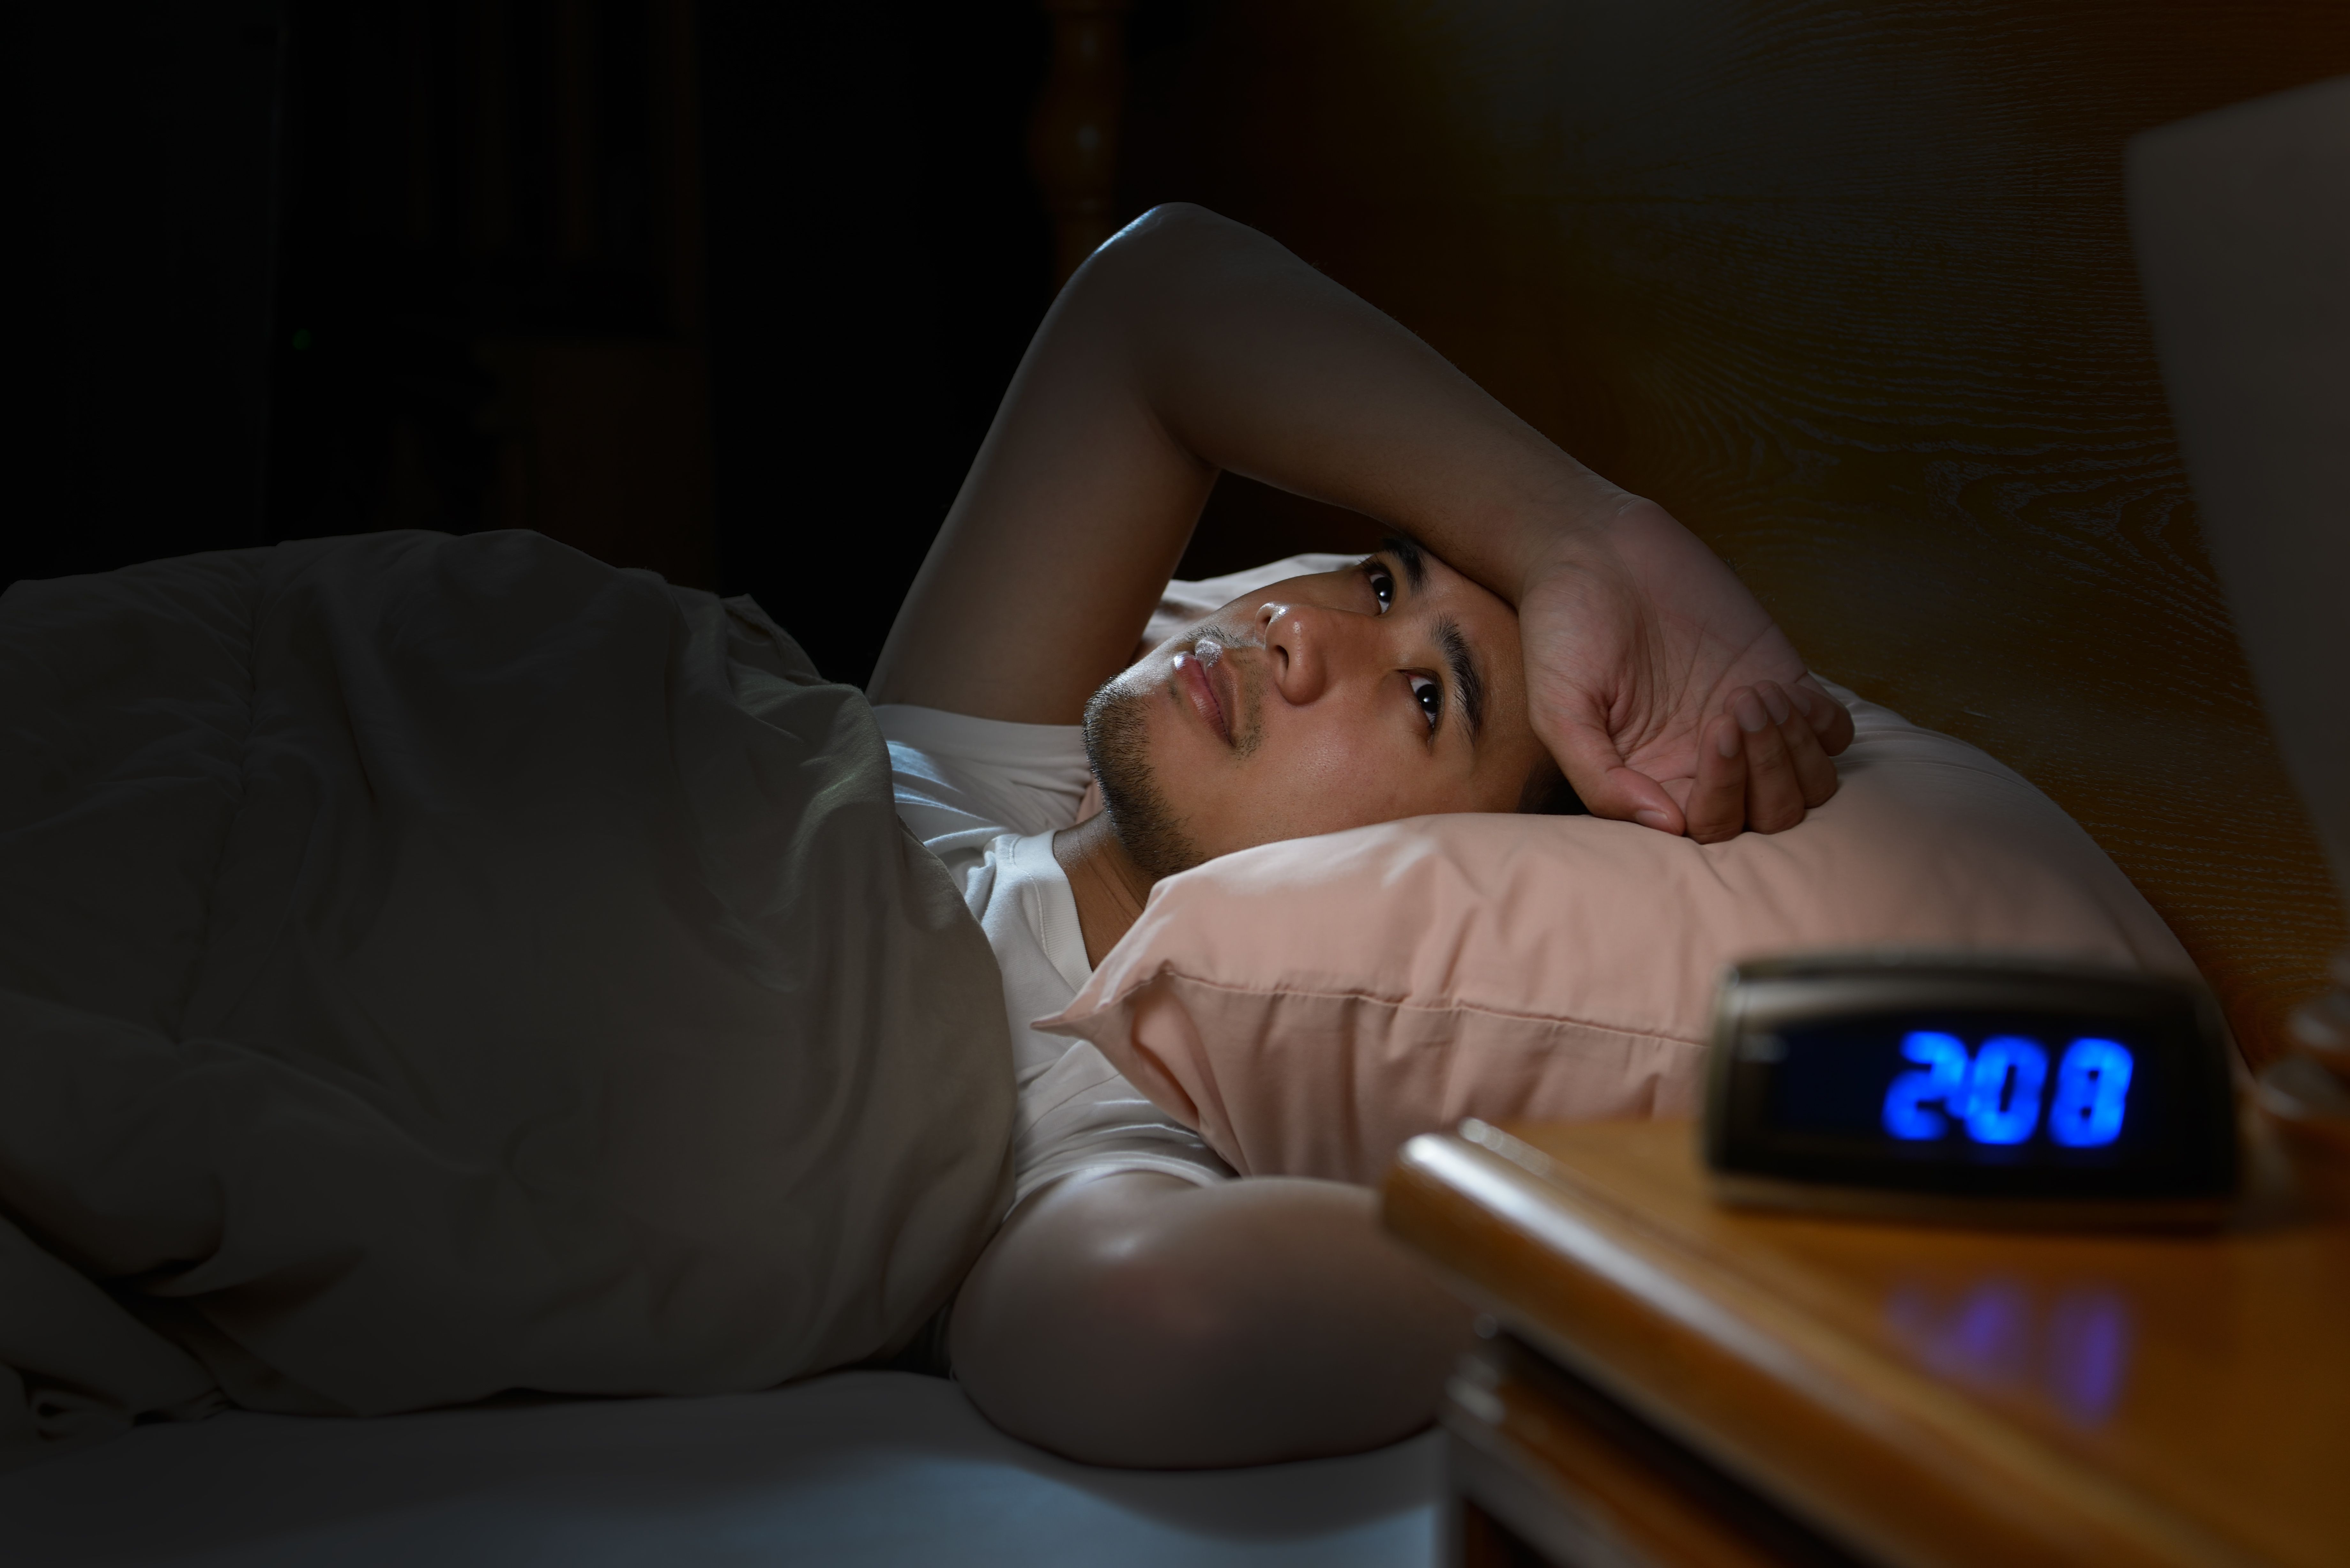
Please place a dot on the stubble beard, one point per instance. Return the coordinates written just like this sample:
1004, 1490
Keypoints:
1118, 745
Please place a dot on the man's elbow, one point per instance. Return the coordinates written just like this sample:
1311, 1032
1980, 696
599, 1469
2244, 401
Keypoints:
1171, 235
1135, 1367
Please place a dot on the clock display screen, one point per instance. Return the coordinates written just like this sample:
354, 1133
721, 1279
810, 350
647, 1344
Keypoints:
2001, 1090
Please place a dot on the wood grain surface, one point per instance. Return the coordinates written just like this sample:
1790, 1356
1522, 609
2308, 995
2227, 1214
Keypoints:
1924, 1396
1849, 289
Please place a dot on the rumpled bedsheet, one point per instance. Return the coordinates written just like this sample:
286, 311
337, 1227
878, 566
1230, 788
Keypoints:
436, 966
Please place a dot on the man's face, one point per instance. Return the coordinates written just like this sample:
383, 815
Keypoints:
1389, 690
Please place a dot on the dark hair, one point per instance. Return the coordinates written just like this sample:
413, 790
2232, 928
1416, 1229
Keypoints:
1547, 792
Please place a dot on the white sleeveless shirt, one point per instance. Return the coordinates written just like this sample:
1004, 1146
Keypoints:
986, 796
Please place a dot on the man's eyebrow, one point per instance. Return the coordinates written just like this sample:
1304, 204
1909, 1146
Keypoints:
1407, 553
1466, 679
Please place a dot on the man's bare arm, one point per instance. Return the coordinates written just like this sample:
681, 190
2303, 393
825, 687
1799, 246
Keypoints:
1186, 346
1136, 1319
1189, 345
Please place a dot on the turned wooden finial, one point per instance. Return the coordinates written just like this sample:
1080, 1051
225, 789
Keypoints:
1073, 139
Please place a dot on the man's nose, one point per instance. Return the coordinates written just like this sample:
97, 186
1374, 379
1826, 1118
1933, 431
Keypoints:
1307, 645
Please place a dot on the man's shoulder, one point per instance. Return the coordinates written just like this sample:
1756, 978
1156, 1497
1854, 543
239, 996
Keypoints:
958, 773
961, 735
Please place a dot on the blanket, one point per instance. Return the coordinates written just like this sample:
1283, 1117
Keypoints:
436, 966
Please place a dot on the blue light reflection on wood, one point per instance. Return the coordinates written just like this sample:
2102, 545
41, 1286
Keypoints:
2071, 1348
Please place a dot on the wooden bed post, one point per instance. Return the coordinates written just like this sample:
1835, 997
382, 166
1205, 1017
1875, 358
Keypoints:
1073, 139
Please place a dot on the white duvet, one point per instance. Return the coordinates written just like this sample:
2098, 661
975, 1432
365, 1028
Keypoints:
432, 966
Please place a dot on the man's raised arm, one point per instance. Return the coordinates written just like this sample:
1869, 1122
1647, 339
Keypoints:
1189, 344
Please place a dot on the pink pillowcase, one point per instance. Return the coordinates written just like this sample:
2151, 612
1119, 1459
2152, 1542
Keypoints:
1308, 1006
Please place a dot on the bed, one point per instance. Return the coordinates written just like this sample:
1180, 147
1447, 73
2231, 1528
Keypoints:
851, 1469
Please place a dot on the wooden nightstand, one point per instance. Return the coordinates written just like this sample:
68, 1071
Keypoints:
1670, 1381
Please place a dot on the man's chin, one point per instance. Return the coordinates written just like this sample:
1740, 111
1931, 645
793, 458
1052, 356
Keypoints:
1119, 747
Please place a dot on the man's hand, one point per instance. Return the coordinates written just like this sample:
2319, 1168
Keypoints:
1666, 692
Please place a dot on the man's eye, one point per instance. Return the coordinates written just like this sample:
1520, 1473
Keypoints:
1431, 697
1382, 584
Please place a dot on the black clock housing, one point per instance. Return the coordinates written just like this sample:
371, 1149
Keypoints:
1880, 1082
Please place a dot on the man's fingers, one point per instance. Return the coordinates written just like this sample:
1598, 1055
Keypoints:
1587, 753
1762, 763
1639, 798
1626, 794
1830, 719
1716, 808
1816, 775
1774, 796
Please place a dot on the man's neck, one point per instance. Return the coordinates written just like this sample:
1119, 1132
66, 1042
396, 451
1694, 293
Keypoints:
1109, 886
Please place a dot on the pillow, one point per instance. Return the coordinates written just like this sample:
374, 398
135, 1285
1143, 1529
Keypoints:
1309, 1006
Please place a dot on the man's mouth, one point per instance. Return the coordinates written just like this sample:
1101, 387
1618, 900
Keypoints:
1203, 683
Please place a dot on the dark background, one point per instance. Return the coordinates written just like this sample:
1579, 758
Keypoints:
722, 288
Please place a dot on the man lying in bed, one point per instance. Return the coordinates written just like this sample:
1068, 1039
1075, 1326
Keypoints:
1140, 1306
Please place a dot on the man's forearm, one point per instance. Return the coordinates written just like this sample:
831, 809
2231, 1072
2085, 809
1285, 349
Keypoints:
1255, 362
1137, 1320
1190, 345
1187, 346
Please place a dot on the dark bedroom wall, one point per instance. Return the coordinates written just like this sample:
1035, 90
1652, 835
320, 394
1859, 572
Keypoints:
143, 242
490, 277
877, 260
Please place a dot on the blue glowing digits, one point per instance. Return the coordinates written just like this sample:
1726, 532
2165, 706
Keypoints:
2092, 1083
1944, 1078
2004, 1096
1995, 1092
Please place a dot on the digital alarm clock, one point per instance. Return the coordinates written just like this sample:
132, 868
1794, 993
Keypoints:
1961, 1088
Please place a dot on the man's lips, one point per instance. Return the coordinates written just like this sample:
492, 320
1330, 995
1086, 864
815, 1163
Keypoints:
1200, 684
